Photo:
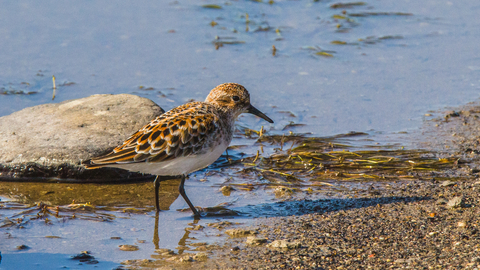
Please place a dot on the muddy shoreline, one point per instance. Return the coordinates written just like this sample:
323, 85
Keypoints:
423, 223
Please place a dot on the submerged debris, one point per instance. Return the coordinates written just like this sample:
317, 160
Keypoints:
327, 160
296, 165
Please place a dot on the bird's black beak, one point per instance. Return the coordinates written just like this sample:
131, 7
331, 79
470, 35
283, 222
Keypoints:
258, 113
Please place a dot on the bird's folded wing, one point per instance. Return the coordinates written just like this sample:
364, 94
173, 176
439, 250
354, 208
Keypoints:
182, 131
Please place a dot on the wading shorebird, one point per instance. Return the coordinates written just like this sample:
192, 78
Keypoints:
183, 140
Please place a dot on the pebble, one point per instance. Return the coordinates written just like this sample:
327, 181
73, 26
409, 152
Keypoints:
128, 247
226, 190
447, 183
220, 225
85, 257
200, 256
165, 251
284, 244
456, 202
255, 241
187, 258
240, 232
22, 247
195, 228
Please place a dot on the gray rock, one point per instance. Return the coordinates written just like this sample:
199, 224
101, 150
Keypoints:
73, 130
51, 140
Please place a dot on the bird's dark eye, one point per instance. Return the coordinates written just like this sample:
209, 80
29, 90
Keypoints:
236, 98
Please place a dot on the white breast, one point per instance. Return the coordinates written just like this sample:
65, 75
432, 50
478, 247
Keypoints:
177, 166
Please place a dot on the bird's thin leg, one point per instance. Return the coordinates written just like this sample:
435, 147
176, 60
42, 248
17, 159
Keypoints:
181, 189
157, 186
156, 239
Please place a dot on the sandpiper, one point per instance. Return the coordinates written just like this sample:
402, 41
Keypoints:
183, 140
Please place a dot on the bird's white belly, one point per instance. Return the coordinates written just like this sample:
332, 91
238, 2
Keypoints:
177, 166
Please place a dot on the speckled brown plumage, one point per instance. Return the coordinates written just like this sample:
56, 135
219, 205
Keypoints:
190, 129
184, 139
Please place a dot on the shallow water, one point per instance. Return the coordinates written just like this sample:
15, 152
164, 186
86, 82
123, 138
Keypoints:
393, 70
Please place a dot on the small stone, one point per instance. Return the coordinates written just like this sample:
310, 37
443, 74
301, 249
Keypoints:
255, 241
129, 262
400, 261
22, 247
220, 225
284, 244
165, 251
282, 191
83, 256
226, 190
447, 183
198, 227
462, 224
128, 247
240, 232
456, 202
195, 228
115, 238
186, 259
200, 256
